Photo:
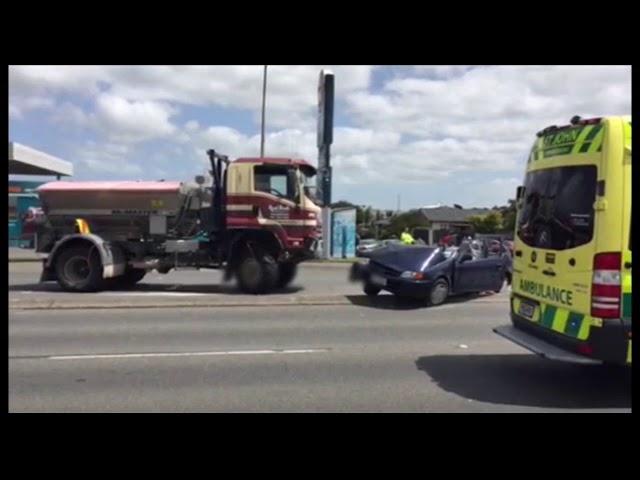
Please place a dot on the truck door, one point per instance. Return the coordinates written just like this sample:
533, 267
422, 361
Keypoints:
275, 182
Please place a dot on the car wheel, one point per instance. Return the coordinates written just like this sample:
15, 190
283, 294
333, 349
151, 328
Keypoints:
439, 292
371, 291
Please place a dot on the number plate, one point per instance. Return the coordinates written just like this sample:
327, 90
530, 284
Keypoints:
378, 280
526, 310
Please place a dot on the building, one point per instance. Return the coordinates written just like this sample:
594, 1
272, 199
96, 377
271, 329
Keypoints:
449, 219
27, 161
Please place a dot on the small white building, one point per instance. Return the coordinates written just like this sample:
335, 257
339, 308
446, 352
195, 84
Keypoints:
443, 219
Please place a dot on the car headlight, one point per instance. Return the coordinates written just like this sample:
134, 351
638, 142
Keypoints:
413, 275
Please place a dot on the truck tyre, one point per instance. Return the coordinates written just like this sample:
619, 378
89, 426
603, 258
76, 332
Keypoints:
133, 275
286, 273
79, 269
130, 277
257, 275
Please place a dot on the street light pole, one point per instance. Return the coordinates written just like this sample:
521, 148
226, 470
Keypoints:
264, 102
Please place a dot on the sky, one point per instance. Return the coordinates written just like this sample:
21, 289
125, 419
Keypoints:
413, 135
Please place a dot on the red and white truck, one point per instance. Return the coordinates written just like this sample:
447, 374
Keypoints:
257, 221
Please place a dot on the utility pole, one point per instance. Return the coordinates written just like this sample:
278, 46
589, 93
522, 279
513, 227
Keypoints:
325, 139
264, 103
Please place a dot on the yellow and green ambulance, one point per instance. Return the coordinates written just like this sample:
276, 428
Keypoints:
571, 290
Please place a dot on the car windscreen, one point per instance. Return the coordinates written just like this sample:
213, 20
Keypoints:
557, 207
432, 256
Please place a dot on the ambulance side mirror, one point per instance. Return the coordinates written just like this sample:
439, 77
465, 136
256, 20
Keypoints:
519, 196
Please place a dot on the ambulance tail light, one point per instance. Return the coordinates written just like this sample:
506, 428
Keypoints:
606, 287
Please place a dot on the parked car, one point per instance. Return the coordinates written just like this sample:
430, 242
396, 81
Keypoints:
374, 246
30, 221
366, 246
431, 273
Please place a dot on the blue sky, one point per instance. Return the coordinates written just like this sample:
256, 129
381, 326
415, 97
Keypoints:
431, 134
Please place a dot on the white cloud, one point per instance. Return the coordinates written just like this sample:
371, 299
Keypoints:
494, 102
291, 93
126, 120
17, 108
191, 125
109, 158
72, 115
422, 124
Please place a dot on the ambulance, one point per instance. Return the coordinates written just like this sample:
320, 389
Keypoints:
571, 288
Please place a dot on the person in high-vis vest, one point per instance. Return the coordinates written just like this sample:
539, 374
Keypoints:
406, 237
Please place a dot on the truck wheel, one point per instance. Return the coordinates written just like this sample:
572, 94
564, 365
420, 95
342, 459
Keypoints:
257, 275
128, 279
370, 290
286, 273
133, 275
439, 292
79, 269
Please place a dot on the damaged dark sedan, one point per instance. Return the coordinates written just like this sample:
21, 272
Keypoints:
431, 273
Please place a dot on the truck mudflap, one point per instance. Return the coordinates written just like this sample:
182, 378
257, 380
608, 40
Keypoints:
113, 260
542, 348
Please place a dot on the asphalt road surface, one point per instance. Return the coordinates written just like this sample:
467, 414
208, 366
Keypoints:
379, 356
313, 280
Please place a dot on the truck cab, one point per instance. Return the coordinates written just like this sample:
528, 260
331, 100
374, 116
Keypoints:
271, 194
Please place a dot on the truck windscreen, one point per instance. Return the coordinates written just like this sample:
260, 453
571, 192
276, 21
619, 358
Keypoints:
310, 187
275, 180
557, 207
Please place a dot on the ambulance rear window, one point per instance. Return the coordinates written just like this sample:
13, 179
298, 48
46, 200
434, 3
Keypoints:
557, 211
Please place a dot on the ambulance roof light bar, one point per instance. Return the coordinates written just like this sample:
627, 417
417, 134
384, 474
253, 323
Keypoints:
575, 120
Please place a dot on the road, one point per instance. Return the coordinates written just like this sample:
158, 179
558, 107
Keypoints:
379, 356
181, 288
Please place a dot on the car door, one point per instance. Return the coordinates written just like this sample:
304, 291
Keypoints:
489, 273
464, 272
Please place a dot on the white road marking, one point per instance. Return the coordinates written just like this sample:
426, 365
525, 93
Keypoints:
186, 354
152, 294
131, 294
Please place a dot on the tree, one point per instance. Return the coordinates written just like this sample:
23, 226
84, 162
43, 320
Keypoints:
410, 220
509, 216
343, 204
490, 223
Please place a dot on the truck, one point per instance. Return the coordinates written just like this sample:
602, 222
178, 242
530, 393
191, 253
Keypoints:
571, 293
256, 219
